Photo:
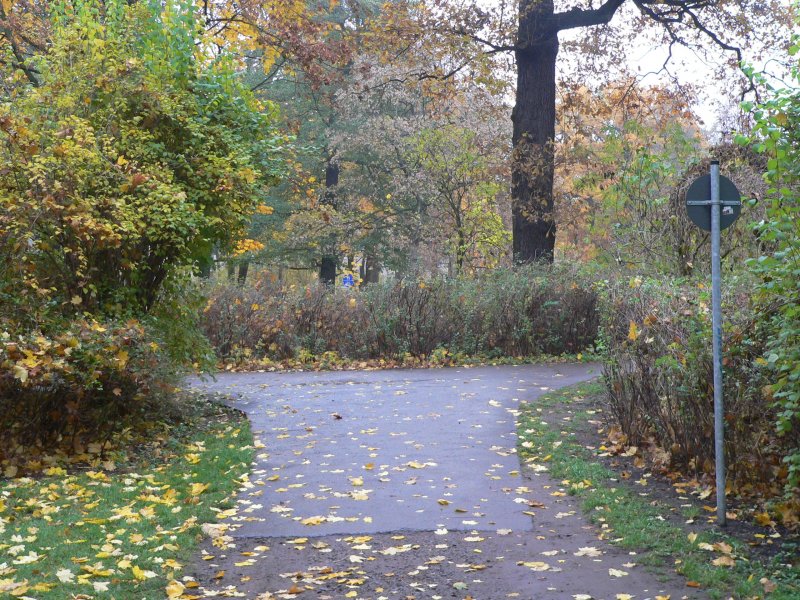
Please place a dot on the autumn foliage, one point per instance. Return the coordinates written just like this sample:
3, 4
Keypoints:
526, 312
131, 158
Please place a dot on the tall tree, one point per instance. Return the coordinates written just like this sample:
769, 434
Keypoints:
534, 41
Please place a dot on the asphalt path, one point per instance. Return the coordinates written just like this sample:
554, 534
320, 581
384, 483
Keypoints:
406, 484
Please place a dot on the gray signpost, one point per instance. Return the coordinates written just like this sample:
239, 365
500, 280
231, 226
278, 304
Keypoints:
713, 203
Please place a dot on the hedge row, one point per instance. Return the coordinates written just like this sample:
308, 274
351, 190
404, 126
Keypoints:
520, 312
656, 336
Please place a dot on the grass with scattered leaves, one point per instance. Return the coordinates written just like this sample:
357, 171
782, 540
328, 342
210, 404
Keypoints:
633, 522
122, 531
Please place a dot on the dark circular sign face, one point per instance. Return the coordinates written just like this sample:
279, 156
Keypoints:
700, 190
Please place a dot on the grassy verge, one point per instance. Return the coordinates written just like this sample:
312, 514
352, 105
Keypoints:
122, 531
633, 522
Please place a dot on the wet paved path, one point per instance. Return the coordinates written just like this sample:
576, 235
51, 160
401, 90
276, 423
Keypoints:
406, 484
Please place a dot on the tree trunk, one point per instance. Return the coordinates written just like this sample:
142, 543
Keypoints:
371, 270
534, 116
204, 268
327, 268
244, 266
461, 251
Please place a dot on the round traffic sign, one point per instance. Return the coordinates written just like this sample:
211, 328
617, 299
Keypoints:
700, 191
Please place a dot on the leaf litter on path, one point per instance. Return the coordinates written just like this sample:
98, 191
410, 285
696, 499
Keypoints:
470, 522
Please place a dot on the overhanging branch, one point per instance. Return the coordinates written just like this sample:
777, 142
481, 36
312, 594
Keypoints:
8, 34
581, 17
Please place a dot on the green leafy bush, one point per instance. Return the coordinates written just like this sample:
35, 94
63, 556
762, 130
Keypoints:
132, 157
777, 135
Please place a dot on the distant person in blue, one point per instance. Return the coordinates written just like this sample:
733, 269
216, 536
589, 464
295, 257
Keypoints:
348, 281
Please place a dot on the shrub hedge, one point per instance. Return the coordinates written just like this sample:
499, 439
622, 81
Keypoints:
656, 336
524, 312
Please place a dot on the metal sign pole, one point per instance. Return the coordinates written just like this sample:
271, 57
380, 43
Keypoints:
725, 206
716, 328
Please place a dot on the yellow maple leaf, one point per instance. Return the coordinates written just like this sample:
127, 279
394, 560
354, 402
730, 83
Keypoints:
198, 488
175, 589
535, 565
723, 561
20, 373
764, 519
138, 573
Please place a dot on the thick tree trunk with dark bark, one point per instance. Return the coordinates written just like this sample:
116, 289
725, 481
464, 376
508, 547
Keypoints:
534, 116
327, 268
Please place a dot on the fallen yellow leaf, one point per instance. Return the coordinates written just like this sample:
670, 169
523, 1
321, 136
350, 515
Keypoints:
175, 589
198, 488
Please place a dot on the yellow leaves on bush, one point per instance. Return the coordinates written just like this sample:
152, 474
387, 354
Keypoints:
111, 359
36, 356
95, 209
633, 332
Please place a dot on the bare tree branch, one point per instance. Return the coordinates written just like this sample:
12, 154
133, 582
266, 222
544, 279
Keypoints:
581, 17
8, 34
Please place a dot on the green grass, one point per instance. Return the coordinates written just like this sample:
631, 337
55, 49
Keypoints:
126, 531
631, 521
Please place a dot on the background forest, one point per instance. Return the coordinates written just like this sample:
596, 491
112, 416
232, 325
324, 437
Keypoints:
188, 183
